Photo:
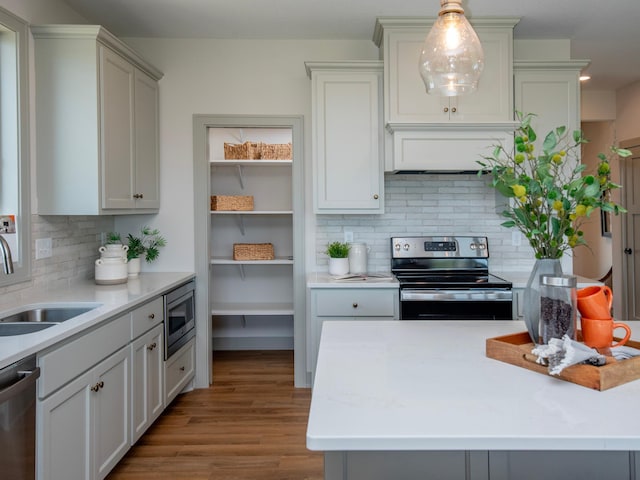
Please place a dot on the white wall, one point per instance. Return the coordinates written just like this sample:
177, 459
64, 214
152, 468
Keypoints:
223, 77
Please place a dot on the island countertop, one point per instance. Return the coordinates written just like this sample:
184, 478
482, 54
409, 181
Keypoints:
414, 385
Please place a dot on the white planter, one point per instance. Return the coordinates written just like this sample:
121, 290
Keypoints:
133, 267
338, 266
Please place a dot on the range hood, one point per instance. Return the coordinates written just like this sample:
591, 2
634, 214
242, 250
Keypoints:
432, 148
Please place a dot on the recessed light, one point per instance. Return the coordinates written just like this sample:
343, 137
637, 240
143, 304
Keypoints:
584, 78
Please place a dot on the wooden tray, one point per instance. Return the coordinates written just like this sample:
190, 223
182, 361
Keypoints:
516, 350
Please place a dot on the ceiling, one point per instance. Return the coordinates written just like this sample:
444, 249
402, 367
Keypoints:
606, 32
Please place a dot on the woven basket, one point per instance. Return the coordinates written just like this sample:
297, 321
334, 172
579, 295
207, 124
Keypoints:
275, 151
253, 251
241, 151
232, 202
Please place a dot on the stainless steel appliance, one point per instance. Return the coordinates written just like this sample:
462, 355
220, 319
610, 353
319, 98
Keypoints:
447, 278
18, 419
179, 317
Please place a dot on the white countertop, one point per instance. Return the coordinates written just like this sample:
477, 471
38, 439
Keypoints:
412, 385
324, 280
110, 299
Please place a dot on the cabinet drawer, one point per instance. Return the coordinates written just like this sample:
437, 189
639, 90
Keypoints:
146, 317
67, 362
355, 302
178, 370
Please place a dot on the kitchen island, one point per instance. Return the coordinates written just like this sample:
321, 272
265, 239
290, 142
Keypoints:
421, 400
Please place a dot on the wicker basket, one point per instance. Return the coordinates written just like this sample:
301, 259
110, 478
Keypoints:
275, 151
253, 251
242, 151
232, 202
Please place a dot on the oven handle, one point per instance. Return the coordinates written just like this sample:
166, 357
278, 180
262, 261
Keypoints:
425, 295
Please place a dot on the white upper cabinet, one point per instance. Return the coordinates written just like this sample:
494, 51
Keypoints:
405, 96
347, 137
97, 124
435, 133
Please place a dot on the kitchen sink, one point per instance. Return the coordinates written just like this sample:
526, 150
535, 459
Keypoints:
34, 319
46, 314
22, 328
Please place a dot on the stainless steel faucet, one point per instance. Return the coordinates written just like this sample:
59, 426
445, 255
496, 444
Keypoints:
6, 255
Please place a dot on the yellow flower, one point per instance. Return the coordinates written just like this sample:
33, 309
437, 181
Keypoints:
581, 210
557, 205
519, 190
557, 159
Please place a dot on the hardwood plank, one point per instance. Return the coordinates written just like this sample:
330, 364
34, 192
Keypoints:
251, 424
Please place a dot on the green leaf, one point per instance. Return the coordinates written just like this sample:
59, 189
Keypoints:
560, 131
550, 142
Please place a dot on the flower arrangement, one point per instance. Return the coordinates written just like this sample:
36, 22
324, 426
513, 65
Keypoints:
146, 245
552, 194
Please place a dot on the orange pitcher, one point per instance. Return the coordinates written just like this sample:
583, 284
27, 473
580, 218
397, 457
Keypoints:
595, 301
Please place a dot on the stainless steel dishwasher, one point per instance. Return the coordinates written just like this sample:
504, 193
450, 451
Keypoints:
18, 419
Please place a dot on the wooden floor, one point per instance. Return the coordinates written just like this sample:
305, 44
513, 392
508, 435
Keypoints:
250, 425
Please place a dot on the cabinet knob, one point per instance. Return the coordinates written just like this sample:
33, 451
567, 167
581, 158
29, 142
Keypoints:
152, 316
446, 109
101, 384
454, 109
138, 195
355, 305
182, 369
152, 346
95, 388
628, 251
375, 196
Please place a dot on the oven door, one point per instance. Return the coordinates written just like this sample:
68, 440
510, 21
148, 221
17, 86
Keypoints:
179, 319
454, 304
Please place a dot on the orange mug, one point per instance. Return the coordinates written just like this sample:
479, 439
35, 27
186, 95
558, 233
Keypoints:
598, 332
595, 301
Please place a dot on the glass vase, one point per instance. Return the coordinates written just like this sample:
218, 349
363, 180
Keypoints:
543, 266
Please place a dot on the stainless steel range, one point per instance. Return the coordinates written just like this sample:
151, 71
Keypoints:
447, 278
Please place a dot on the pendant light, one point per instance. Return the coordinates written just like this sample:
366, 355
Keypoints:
452, 58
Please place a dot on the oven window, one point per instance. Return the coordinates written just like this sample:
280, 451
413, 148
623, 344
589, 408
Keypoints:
179, 315
452, 310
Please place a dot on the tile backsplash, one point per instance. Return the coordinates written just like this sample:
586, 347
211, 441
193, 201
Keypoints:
438, 204
75, 241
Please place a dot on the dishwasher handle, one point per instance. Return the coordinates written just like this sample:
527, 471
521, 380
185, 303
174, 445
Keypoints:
28, 378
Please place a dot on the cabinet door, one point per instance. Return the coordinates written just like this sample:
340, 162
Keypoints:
110, 412
64, 432
405, 95
347, 142
116, 130
147, 178
146, 381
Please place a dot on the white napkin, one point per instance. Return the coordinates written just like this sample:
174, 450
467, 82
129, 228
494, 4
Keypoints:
562, 353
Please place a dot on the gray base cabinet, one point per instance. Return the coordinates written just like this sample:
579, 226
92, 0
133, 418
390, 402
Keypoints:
481, 465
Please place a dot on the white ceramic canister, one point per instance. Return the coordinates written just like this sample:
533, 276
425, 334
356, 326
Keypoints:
358, 258
111, 271
113, 250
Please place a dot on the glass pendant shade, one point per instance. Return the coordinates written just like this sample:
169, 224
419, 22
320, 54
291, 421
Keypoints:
452, 59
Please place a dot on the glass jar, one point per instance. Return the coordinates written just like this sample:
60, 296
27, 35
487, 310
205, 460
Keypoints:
557, 307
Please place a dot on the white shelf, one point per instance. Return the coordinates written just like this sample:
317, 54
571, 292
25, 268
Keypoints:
252, 309
255, 163
230, 261
251, 212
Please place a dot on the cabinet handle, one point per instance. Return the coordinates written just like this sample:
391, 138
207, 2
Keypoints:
152, 316
152, 346
375, 196
95, 388
454, 109
446, 109
138, 195
355, 305
182, 369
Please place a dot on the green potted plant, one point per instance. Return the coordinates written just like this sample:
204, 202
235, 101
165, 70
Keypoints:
146, 245
338, 253
113, 247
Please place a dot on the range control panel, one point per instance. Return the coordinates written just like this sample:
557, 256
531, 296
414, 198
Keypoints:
439, 247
